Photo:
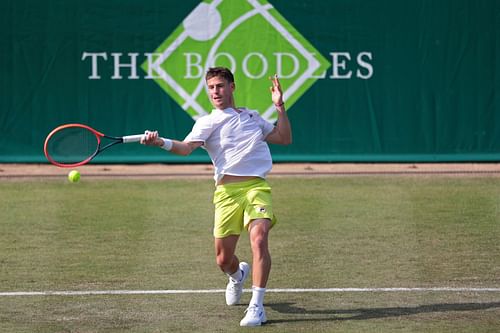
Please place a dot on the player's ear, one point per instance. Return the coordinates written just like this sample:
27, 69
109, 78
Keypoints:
233, 86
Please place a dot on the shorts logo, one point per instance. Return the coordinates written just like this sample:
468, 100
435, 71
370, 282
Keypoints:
248, 36
260, 209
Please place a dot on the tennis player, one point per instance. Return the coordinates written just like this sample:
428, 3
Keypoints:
237, 141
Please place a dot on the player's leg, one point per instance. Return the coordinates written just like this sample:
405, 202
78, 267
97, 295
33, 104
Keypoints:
259, 219
228, 224
228, 262
227, 228
259, 235
225, 254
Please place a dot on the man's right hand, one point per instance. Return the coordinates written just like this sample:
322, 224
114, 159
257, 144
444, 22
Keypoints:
152, 138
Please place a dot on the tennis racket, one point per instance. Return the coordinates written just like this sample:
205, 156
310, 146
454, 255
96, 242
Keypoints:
72, 145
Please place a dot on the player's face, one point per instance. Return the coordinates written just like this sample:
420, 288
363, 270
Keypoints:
220, 92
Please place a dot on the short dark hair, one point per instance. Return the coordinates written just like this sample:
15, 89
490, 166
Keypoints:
219, 72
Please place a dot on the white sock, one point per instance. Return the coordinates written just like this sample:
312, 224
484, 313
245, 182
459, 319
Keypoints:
237, 276
257, 296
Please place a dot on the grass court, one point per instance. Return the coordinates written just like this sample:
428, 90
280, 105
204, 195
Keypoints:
363, 232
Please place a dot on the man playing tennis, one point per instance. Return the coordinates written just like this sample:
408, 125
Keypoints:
236, 140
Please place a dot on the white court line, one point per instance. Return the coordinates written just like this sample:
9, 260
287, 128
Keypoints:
217, 291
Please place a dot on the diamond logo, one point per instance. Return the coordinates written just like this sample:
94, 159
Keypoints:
249, 37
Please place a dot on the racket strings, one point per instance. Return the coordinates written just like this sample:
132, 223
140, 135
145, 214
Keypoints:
72, 145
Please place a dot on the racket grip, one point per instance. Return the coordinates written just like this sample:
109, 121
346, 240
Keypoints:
132, 138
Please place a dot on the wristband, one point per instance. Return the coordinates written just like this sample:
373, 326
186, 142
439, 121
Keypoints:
278, 105
167, 144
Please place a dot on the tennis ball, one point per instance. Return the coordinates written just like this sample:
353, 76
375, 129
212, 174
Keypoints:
74, 176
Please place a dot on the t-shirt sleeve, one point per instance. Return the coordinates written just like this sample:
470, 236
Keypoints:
201, 130
264, 125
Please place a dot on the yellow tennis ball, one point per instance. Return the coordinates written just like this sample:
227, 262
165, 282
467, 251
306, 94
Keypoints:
74, 176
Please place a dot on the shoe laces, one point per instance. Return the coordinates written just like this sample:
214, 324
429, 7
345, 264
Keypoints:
253, 310
234, 285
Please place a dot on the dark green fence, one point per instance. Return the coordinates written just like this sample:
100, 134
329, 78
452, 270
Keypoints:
413, 80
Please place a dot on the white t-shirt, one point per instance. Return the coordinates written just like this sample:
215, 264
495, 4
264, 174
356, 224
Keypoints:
235, 141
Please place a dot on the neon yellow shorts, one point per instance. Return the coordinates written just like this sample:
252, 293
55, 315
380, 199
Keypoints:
237, 204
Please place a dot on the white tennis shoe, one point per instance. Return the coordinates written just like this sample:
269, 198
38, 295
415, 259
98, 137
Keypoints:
255, 316
234, 288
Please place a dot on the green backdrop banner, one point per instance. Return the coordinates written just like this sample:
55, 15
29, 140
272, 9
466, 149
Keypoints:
367, 81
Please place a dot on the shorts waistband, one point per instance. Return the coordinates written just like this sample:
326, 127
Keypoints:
244, 183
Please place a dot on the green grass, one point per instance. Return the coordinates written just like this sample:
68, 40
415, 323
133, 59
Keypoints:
332, 232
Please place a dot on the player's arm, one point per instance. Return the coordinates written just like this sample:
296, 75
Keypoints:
151, 138
282, 132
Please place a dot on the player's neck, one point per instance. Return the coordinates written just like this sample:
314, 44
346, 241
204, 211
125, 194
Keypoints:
230, 106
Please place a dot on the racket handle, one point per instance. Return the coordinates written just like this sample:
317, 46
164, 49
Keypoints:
132, 138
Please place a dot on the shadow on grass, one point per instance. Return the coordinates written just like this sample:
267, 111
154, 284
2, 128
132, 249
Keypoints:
373, 313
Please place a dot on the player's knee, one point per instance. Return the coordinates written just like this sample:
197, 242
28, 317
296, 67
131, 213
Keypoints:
259, 242
224, 261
